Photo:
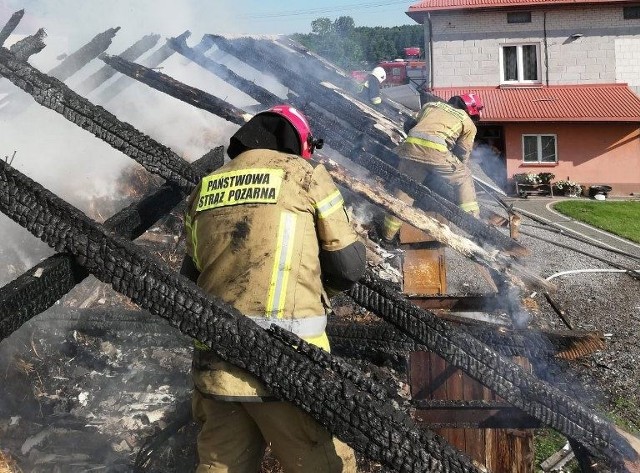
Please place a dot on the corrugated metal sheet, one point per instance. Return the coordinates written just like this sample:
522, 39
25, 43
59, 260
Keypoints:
565, 103
431, 5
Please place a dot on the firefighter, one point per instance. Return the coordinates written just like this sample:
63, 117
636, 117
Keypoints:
269, 234
370, 88
440, 141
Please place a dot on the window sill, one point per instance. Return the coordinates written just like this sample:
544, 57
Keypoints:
538, 165
521, 85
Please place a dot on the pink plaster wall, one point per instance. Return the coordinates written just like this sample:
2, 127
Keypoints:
589, 153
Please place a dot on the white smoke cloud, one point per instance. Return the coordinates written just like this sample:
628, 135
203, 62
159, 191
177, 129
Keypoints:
70, 161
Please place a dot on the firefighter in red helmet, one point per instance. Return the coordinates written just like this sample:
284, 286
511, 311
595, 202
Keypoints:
268, 233
440, 142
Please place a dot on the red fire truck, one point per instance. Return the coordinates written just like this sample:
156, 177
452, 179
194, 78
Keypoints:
409, 70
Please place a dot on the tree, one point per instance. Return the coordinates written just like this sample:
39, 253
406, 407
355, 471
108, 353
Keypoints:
321, 26
349, 46
344, 26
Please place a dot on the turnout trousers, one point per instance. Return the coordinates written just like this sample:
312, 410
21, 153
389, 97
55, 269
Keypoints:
234, 436
455, 172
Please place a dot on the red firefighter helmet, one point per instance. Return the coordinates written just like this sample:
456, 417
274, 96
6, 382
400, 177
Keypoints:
308, 143
473, 104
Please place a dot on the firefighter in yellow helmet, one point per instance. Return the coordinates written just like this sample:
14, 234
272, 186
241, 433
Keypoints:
370, 88
268, 233
440, 141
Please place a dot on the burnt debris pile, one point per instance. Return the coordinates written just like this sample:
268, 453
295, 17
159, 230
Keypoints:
69, 372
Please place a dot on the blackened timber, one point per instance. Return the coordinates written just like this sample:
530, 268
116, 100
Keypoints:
308, 91
322, 68
330, 73
105, 73
154, 60
55, 95
27, 47
375, 427
258, 93
36, 290
11, 25
80, 58
350, 338
40, 287
170, 86
307, 88
505, 378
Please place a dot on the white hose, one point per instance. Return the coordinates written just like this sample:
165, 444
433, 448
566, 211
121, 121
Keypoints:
579, 271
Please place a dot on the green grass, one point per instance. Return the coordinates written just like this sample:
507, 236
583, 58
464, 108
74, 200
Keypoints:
620, 218
546, 443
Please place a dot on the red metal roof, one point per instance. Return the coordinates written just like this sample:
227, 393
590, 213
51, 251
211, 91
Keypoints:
559, 103
416, 10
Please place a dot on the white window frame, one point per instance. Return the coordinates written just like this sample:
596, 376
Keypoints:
520, 64
539, 138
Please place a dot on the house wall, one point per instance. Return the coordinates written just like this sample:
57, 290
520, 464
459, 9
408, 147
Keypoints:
466, 45
612, 153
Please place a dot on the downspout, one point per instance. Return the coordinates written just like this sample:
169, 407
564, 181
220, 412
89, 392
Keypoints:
430, 50
546, 48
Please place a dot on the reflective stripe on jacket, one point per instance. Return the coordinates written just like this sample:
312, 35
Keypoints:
442, 128
254, 229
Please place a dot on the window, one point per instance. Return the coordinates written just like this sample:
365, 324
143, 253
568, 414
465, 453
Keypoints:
520, 63
539, 149
631, 13
519, 17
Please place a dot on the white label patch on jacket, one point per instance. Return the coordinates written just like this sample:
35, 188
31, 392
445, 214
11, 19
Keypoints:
245, 186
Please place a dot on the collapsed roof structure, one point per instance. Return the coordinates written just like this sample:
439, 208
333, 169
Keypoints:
363, 410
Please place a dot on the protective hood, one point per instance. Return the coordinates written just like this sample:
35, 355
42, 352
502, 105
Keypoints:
265, 131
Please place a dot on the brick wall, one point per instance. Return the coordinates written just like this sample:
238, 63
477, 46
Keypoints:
467, 46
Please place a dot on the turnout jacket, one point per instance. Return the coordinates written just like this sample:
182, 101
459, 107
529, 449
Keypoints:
440, 128
264, 231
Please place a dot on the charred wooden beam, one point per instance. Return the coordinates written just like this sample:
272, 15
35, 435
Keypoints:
11, 25
27, 47
105, 73
154, 60
505, 378
374, 193
80, 58
55, 95
179, 90
40, 287
350, 144
336, 103
307, 88
349, 338
372, 425
36, 290
260, 94
320, 67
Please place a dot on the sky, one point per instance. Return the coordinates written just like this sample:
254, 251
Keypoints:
200, 16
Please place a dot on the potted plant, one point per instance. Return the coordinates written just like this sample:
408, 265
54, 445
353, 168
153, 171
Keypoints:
568, 187
527, 178
546, 177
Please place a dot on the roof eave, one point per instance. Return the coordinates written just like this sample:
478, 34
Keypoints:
561, 120
418, 14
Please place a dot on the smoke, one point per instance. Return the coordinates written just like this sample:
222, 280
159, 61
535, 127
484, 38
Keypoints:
68, 160
490, 162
